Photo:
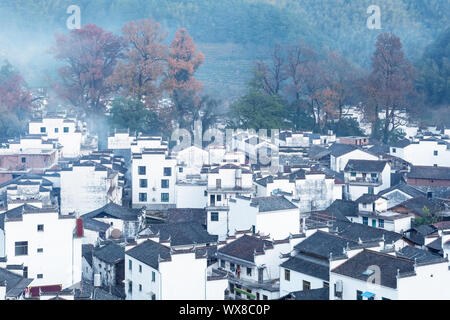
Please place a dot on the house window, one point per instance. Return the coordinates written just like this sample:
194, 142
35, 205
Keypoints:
140, 268
358, 295
40, 276
66, 129
218, 183
231, 266
435, 152
366, 221
180, 170
265, 297
353, 174
222, 263
40, 228
373, 175
140, 287
214, 216
24, 160
249, 272
21, 248
374, 223
130, 286
287, 275
153, 296
219, 197
370, 190
380, 223
205, 193
153, 276
143, 183
164, 197
167, 172
130, 265
165, 184
40, 250
306, 285
43, 129
56, 130
142, 197
394, 150
25, 272
142, 170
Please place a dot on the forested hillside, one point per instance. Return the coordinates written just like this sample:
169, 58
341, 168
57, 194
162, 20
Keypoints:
232, 33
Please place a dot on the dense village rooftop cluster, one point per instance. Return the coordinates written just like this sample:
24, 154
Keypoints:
338, 218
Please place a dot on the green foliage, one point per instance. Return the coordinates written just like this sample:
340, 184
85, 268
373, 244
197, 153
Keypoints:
132, 114
10, 125
257, 110
393, 135
429, 217
434, 77
346, 127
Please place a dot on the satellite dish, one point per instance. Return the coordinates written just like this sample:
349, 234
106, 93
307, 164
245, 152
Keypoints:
115, 234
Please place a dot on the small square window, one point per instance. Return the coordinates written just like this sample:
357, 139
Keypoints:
180, 170
24, 160
56, 130
167, 172
40, 276
394, 150
40, 228
165, 184
40, 250
214, 216
164, 197
249, 272
142, 170
353, 174
142, 197
66, 129
43, 130
435, 152
143, 183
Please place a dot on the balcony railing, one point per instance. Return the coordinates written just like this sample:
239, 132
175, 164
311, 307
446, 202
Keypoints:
364, 181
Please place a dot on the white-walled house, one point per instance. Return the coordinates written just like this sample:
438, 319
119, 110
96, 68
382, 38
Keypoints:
340, 154
153, 179
46, 245
273, 216
155, 271
87, 186
424, 152
65, 131
366, 176
252, 262
410, 276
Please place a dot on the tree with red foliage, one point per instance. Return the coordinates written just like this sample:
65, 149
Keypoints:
14, 96
90, 55
183, 62
390, 84
139, 75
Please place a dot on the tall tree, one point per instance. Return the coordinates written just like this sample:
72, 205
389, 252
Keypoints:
183, 62
14, 95
391, 82
90, 55
139, 75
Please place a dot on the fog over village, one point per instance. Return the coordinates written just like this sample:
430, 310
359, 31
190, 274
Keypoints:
224, 150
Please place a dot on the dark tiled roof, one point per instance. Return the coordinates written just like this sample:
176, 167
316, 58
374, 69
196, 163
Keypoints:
273, 203
186, 214
149, 253
419, 255
309, 266
417, 205
110, 253
388, 264
245, 247
95, 225
338, 149
368, 198
313, 294
321, 244
356, 231
87, 250
435, 173
365, 165
112, 210
343, 208
183, 233
402, 143
409, 190
15, 284
229, 166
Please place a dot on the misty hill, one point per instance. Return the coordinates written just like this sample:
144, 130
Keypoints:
232, 33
